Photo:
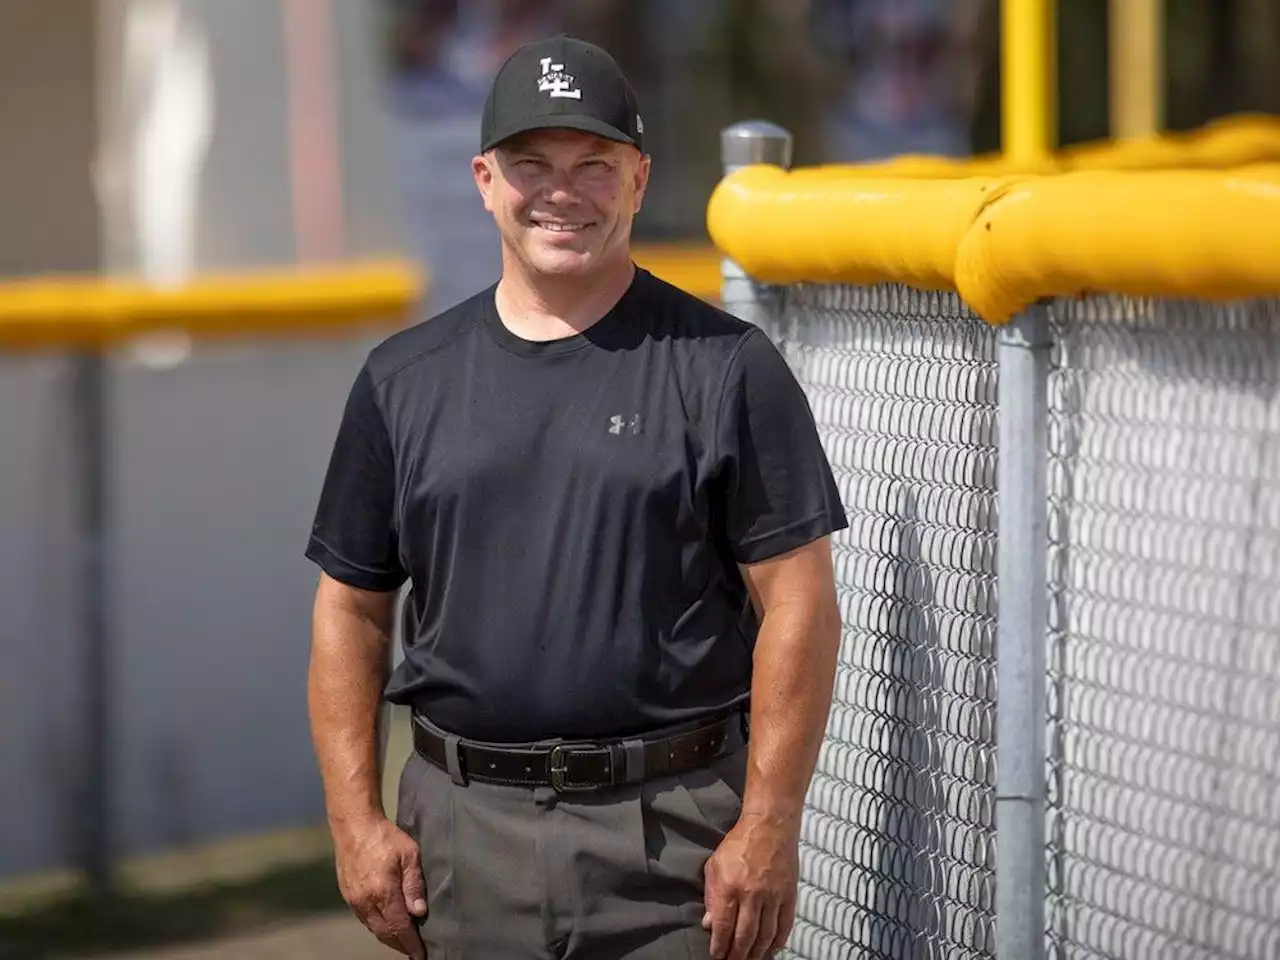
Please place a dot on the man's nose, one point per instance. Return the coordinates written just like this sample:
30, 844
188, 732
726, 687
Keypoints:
559, 187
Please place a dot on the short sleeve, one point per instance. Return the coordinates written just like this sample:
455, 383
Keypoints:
778, 484
353, 537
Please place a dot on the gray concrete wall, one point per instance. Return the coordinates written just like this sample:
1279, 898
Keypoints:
215, 463
39, 679
217, 467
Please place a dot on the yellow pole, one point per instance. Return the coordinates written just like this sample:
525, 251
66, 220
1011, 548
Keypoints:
1136, 68
1029, 69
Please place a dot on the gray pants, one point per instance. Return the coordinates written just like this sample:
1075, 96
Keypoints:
517, 873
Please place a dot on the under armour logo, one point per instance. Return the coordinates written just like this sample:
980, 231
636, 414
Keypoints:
555, 82
618, 423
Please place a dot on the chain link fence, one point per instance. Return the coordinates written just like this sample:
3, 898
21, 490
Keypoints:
1163, 819
1164, 633
897, 855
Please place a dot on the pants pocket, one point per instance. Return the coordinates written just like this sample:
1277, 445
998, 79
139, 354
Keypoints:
407, 793
686, 818
426, 813
716, 792
693, 811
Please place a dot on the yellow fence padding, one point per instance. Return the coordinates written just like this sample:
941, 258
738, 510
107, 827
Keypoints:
1005, 242
1225, 143
92, 312
1207, 235
1222, 144
811, 226
88, 311
920, 167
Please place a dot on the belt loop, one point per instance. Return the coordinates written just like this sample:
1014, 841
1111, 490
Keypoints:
634, 751
452, 761
744, 717
617, 764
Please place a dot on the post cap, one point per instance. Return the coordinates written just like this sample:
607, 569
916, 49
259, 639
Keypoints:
755, 141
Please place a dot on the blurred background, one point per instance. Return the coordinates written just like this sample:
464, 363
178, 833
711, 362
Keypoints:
157, 785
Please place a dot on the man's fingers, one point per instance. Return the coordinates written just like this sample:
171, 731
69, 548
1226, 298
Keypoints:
786, 919
392, 942
746, 928
377, 924
709, 898
724, 917
766, 931
411, 885
411, 944
401, 926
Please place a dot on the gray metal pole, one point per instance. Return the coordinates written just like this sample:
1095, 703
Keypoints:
1021, 637
90, 418
742, 145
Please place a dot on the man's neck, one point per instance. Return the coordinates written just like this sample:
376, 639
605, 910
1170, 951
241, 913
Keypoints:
552, 308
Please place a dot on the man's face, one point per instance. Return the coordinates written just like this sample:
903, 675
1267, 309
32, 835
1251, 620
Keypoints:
563, 200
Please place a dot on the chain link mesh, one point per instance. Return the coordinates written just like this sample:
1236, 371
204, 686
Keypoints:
1164, 637
1164, 656
897, 847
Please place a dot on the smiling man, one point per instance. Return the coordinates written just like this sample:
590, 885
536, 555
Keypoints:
613, 509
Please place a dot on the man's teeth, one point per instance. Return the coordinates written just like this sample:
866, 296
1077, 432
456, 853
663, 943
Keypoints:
560, 227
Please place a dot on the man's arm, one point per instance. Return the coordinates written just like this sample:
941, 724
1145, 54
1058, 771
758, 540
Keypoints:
379, 868
794, 671
351, 641
752, 877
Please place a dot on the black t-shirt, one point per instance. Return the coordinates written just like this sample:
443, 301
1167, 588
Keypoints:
571, 513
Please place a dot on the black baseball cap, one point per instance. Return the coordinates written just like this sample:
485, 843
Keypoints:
561, 83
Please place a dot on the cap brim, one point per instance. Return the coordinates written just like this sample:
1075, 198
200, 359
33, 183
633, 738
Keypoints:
564, 122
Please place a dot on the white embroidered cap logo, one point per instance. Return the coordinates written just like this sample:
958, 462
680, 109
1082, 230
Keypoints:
556, 83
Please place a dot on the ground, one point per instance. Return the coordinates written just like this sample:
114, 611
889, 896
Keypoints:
273, 896
336, 936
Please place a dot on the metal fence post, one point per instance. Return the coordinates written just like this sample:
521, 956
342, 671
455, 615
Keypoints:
91, 424
1021, 636
742, 145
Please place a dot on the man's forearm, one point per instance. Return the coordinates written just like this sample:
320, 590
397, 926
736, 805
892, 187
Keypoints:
795, 660
349, 663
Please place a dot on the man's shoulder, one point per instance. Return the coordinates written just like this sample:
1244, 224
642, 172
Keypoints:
427, 339
693, 323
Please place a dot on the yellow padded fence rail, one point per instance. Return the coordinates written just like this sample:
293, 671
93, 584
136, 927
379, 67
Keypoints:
1004, 242
1225, 143
89, 312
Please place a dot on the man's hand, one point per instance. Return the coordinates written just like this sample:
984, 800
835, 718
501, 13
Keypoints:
751, 888
751, 879
379, 868
380, 876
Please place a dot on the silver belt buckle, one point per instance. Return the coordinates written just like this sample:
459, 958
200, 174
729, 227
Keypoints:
559, 769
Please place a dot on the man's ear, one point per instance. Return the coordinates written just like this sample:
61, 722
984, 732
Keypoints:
482, 169
642, 180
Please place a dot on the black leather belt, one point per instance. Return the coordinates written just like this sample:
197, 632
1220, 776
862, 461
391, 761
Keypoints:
573, 766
